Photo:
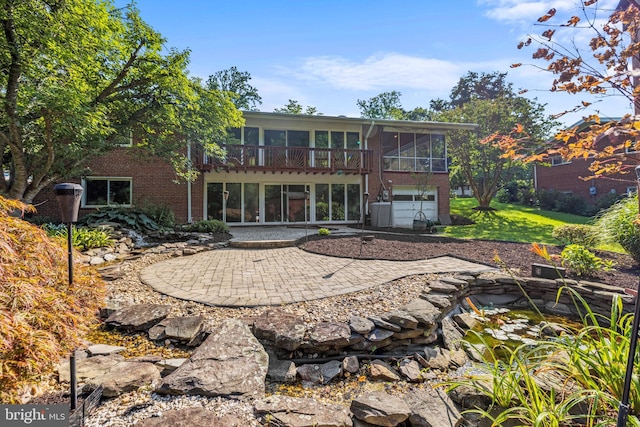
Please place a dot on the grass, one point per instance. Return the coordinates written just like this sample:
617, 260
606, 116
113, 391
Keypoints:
512, 223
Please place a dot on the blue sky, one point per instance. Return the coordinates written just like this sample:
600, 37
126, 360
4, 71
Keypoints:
330, 53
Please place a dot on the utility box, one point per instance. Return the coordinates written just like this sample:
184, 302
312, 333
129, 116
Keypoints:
381, 214
547, 271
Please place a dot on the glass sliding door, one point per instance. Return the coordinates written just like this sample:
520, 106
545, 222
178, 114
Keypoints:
322, 202
234, 203
251, 202
337, 202
273, 203
353, 202
295, 202
214, 200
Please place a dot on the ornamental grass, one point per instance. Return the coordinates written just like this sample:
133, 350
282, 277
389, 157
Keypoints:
42, 318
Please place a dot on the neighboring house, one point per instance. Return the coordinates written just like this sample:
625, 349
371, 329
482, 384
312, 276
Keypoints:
574, 177
278, 163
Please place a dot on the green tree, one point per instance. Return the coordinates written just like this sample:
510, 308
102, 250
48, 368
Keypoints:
386, 105
245, 96
474, 85
482, 163
294, 107
78, 76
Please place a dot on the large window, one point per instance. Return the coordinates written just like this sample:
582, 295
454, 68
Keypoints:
101, 191
414, 152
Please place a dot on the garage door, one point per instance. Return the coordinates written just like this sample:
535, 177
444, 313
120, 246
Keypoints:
406, 205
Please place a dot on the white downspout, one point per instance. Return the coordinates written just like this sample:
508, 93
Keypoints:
189, 213
366, 177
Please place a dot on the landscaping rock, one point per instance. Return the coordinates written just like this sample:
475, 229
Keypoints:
432, 408
302, 412
89, 368
361, 325
189, 417
125, 377
330, 334
411, 370
465, 320
350, 364
378, 335
381, 323
138, 317
380, 409
104, 349
381, 371
188, 329
423, 311
229, 362
401, 318
282, 371
441, 287
320, 373
285, 330
451, 336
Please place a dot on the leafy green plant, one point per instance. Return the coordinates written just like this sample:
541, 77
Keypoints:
83, 238
42, 317
512, 381
579, 234
582, 261
618, 224
161, 213
324, 231
128, 218
207, 226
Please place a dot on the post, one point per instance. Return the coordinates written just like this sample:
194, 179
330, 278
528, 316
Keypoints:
624, 409
306, 201
365, 199
69, 196
225, 197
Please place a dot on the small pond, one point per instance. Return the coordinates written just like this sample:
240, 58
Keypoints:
514, 327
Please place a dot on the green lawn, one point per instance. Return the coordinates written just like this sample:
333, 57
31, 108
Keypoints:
508, 222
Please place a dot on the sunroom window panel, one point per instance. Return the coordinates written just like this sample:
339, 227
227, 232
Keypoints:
353, 140
251, 136
423, 143
390, 144
275, 138
337, 139
297, 138
407, 145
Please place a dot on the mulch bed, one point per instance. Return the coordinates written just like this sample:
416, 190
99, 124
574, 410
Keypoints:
518, 257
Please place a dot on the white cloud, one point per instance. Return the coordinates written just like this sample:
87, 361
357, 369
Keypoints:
384, 71
527, 12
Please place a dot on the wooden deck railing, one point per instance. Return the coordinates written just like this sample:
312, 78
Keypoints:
287, 159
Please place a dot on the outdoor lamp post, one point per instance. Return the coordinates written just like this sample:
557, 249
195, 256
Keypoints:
307, 196
225, 197
69, 196
623, 410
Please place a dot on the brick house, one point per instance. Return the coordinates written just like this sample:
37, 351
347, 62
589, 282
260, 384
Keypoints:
574, 177
276, 162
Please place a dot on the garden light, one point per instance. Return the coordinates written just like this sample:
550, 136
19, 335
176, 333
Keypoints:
69, 196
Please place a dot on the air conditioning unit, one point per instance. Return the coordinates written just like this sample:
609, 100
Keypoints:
381, 214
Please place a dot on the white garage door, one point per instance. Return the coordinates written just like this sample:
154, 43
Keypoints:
406, 205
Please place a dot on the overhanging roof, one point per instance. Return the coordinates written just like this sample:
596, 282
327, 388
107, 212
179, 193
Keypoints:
408, 124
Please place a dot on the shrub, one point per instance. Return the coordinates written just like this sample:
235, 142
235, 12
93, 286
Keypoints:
42, 318
126, 217
579, 234
324, 231
207, 226
582, 261
161, 213
83, 238
618, 224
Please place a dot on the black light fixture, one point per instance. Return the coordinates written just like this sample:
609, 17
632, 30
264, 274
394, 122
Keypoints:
69, 196
624, 408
